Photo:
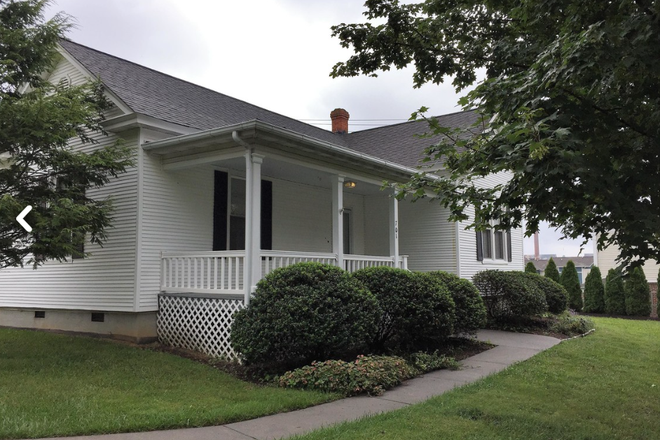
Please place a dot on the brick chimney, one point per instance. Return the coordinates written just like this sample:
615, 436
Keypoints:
339, 118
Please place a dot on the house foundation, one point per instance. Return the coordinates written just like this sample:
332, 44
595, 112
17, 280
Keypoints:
133, 327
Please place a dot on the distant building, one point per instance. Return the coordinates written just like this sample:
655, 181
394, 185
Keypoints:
582, 264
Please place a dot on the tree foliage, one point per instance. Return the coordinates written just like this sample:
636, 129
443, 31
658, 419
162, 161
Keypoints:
551, 271
571, 282
37, 168
594, 292
615, 298
530, 268
638, 294
568, 107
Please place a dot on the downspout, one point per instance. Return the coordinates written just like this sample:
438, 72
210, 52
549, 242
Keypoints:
247, 266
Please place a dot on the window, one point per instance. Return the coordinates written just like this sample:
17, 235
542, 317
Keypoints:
499, 245
494, 245
229, 213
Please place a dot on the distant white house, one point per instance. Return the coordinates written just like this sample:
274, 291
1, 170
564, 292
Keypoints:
222, 193
582, 264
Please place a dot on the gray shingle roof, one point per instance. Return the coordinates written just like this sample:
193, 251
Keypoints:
561, 262
170, 99
401, 143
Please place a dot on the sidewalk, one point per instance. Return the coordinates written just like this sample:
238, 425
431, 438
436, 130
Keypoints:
511, 348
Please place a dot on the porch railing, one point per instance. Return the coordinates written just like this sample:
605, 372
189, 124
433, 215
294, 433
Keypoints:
221, 272
353, 263
272, 260
203, 272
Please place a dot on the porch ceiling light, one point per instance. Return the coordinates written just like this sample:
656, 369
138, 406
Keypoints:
350, 184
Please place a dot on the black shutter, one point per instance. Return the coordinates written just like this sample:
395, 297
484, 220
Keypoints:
508, 246
220, 211
266, 215
480, 246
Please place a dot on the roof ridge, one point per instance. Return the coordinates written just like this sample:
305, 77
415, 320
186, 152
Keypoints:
409, 121
193, 84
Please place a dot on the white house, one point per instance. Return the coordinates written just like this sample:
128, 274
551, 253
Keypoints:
224, 192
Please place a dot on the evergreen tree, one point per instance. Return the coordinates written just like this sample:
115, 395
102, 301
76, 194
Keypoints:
551, 271
615, 299
638, 294
530, 268
594, 292
569, 279
37, 167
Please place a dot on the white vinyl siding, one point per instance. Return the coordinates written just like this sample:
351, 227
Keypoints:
106, 280
607, 260
426, 236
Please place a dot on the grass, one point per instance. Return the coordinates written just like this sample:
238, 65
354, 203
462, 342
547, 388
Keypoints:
56, 385
602, 387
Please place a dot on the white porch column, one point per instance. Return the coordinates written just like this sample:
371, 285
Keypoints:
255, 229
247, 265
394, 230
338, 218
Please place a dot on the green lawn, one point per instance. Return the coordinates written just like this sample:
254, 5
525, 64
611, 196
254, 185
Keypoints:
55, 385
605, 386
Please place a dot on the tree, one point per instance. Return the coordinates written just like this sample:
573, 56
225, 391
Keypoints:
571, 282
638, 294
594, 292
568, 107
551, 270
36, 166
530, 268
615, 298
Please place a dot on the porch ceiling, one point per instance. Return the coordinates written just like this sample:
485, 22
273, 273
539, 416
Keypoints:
283, 170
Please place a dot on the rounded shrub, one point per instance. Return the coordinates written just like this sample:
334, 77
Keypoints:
530, 268
556, 296
571, 282
615, 297
638, 294
594, 292
415, 307
470, 308
509, 295
302, 313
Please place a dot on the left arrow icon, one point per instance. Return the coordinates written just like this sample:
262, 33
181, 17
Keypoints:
20, 218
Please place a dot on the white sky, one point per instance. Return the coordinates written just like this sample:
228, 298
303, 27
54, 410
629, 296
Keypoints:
276, 54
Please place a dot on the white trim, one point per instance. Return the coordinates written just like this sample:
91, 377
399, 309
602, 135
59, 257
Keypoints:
337, 189
458, 249
255, 229
114, 98
184, 162
394, 230
139, 222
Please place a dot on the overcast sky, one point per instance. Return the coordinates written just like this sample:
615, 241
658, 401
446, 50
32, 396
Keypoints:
273, 53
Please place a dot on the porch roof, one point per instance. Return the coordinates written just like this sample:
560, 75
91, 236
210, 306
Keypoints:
220, 143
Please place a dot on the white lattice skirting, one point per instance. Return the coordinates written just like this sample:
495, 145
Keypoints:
197, 323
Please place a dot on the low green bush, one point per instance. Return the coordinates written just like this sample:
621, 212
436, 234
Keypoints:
470, 308
509, 295
555, 295
416, 308
302, 313
572, 325
425, 362
367, 374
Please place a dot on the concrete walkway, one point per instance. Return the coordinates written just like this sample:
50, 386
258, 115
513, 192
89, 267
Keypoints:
511, 348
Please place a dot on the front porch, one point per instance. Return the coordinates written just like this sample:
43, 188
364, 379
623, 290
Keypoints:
223, 272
